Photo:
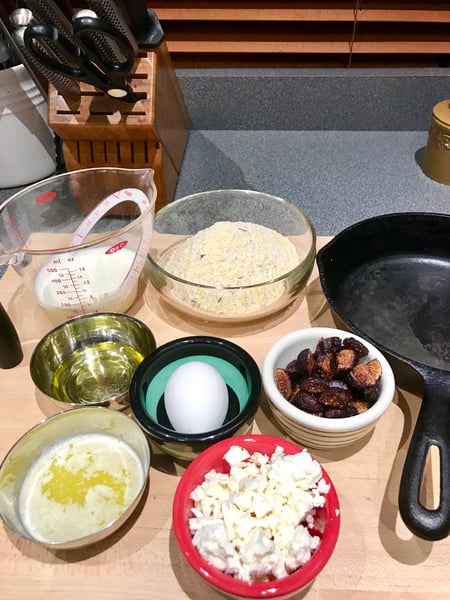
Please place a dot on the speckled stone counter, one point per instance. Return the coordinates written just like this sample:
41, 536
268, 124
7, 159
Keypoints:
337, 178
341, 144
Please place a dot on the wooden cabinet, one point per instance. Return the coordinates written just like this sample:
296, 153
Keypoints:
301, 34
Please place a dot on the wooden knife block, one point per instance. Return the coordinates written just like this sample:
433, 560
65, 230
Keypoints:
97, 130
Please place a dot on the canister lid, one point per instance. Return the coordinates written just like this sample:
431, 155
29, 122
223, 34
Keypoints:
441, 112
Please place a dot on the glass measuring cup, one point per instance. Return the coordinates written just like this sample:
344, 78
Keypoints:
80, 239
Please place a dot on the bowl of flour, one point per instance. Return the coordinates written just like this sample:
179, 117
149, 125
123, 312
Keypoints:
231, 255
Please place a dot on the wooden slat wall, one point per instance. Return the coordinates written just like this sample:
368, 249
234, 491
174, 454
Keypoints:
262, 33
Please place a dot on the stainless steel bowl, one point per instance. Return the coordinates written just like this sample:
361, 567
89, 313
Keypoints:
90, 360
42, 437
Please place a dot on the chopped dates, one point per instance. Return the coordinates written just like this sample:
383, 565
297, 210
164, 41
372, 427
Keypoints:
331, 381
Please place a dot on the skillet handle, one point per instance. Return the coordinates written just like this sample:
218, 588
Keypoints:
432, 429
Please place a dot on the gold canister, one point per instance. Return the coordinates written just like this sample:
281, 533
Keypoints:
436, 160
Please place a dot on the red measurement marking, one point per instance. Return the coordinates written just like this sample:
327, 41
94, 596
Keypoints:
116, 247
78, 297
45, 197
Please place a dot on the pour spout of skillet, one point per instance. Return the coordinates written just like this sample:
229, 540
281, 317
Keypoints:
388, 280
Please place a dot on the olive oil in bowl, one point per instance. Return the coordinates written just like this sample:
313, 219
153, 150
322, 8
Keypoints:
90, 360
96, 373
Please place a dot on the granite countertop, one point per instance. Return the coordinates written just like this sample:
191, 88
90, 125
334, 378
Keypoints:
343, 145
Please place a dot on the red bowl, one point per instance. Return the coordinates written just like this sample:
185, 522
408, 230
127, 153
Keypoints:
212, 458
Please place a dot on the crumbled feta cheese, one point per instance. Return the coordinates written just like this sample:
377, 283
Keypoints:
254, 522
236, 454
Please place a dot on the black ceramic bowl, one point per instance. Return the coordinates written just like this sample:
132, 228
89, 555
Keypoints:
238, 369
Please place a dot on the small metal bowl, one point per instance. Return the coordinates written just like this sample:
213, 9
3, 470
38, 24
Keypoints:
40, 440
90, 360
238, 369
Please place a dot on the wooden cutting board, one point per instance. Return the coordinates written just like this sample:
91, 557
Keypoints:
375, 557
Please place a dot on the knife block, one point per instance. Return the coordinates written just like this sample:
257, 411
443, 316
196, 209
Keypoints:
97, 130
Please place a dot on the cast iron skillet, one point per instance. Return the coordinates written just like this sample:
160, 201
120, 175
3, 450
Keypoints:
388, 280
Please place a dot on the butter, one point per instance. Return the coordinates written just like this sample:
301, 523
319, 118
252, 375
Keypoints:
79, 485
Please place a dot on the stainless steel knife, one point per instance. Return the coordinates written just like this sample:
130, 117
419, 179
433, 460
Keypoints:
33, 72
109, 11
47, 12
103, 45
64, 85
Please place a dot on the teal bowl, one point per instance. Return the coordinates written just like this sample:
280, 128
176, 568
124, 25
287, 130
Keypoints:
239, 371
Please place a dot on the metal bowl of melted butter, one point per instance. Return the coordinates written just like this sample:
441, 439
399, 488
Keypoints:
90, 360
74, 478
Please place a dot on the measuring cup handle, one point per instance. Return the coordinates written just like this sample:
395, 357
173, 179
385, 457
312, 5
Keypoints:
432, 429
145, 206
125, 195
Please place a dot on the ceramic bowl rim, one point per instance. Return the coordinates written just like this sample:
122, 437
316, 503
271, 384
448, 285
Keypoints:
295, 581
324, 424
163, 434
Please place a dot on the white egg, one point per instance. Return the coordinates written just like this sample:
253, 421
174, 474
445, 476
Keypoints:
196, 398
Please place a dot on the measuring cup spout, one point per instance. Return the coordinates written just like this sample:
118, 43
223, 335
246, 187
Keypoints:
16, 259
7, 258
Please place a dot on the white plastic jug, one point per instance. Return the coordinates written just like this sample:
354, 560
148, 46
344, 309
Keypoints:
27, 146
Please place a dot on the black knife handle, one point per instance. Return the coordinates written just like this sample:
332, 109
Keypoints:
143, 22
10, 348
64, 85
108, 11
48, 12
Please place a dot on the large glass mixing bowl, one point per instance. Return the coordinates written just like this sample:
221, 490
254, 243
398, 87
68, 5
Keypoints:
241, 300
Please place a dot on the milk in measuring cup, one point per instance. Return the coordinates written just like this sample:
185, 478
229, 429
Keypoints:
84, 281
